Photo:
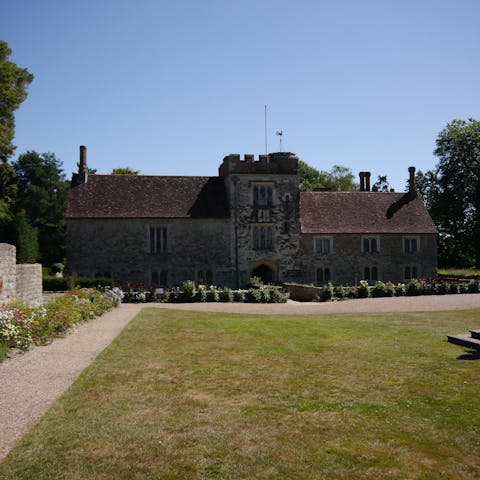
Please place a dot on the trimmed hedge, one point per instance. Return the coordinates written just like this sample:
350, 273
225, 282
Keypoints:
62, 284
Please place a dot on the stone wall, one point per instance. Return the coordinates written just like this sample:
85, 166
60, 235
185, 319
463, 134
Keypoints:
8, 271
302, 293
120, 248
347, 262
29, 283
23, 282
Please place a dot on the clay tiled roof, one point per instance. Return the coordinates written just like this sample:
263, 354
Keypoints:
141, 196
363, 212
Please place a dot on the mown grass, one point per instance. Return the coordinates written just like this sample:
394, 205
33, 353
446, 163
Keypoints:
459, 272
186, 395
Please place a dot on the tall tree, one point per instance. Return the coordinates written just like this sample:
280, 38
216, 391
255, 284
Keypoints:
14, 81
339, 178
452, 193
8, 197
42, 193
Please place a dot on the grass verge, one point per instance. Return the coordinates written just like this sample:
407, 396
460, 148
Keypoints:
188, 395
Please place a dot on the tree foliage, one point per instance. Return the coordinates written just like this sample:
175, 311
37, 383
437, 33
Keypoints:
27, 239
382, 185
14, 81
8, 191
339, 178
42, 194
125, 171
452, 193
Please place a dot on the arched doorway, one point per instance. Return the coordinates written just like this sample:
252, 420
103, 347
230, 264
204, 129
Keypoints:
264, 272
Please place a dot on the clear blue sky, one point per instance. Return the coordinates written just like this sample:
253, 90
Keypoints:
171, 87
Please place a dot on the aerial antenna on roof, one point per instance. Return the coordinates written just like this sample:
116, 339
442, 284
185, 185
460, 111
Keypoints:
280, 135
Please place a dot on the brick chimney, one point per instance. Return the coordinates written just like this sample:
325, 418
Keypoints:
82, 166
411, 180
364, 181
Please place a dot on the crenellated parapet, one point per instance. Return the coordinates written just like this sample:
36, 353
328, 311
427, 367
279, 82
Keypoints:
284, 163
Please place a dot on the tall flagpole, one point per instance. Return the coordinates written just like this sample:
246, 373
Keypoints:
266, 148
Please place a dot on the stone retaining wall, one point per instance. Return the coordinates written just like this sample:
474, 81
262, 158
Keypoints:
23, 282
302, 293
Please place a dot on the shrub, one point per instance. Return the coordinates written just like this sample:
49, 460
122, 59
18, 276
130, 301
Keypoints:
276, 296
453, 288
340, 292
212, 294
89, 282
379, 290
414, 288
264, 294
441, 288
226, 295
326, 293
400, 290
54, 284
473, 286
253, 295
238, 296
188, 292
363, 290
201, 295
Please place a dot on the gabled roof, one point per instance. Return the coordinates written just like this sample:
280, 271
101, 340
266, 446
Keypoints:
363, 212
141, 196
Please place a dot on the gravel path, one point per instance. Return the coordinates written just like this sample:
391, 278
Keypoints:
31, 382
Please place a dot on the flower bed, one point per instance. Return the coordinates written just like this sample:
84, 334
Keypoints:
383, 289
22, 326
190, 293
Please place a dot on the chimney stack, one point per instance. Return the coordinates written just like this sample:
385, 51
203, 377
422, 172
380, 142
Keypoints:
364, 181
82, 166
411, 180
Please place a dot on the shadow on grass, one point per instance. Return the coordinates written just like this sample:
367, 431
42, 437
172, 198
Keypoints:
470, 355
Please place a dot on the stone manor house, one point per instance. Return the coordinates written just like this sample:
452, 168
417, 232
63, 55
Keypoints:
250, 220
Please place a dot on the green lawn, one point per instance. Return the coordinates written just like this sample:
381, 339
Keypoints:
185, 395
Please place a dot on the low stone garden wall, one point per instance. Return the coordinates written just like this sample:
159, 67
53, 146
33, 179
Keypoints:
21, 282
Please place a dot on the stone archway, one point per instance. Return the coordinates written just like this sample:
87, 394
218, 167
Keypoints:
265, 273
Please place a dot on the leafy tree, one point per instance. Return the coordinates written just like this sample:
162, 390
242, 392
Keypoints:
42, 193
452, 193
339, 178
8, 191
27, 239
125, 171
382, 185
14, 81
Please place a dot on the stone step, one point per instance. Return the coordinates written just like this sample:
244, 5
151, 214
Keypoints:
464, 341
475, 334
